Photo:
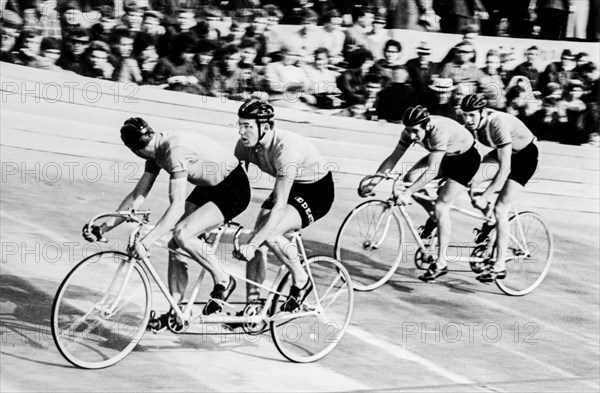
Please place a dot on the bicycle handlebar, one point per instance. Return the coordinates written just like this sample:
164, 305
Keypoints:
129, 215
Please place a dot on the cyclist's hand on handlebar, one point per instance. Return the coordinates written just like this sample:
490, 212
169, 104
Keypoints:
480, 202
365, 190
404, 198
246, 252
141, 250
92, 233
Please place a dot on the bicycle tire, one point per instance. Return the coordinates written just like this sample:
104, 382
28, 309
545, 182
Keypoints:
524, 274
309, 338
370, 267
85, 330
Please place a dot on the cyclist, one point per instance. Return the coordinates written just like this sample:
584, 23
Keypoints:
452, 155
222, 191
517, 156
303, 193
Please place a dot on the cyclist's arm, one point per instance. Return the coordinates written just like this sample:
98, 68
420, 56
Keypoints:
281, 193
390, 162
133, 200
434, 160
504, 158
177, 196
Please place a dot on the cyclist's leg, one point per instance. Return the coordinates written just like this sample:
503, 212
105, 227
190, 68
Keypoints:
447, 195
412, 175
178, 269
256, 269
285, 250
186, 235
507, 196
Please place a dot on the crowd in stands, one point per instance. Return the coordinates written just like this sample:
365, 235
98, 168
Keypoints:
356, 71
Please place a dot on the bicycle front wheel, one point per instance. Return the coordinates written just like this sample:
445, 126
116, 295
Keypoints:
369, 244
323, 317
529, 255
101, 310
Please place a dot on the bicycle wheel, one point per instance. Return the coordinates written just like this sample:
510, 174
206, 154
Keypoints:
369, 244
312, 335
530, 249
101, 310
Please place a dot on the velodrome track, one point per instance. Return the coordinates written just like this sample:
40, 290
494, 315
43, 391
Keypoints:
62, 162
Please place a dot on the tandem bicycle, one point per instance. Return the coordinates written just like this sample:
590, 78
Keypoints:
370, 242
103, 305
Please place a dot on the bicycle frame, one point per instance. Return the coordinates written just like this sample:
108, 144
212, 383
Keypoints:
184, 314
393, 203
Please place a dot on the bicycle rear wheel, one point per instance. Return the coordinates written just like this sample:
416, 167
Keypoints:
312, 335
369, 244
529, 254
101, 310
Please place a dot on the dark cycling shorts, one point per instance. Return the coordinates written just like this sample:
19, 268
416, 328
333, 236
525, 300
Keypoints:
461, 168
522, 164
232, 195
311, 200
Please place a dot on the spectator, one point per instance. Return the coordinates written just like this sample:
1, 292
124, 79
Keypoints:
591, 76
554, 114
470, 35
525, 105
560, 72
107, 18
126, 67
144, 52
378, 36
519, 18
305, 39
574, 132
351, 81
95, 61
369, 109
332, 37
322, 81
248, 54
490, 82
456, 15
390, 62
177, 70
286, 80
236, 32
356, 36
578, 20
462, 69
70, 17
496, 10
439, 100
256, 32
49, 54
421, 69
507, 58
134, 15
396, 97
167, 8
552, 17
151, 23
27, 47
46, 19
74, 46
528, 68
203, 62
593, 29
272, 39
405, 14
229, 80
11, 23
